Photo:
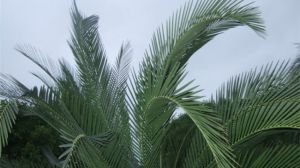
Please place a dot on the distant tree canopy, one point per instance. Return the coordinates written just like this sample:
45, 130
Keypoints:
30, 138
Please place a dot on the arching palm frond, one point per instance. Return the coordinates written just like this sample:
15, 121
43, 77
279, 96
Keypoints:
256, 102
278, 156
162, 71
279, 145
258, 105
195, 24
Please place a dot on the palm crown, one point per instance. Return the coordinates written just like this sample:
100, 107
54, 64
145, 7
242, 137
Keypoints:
106, 120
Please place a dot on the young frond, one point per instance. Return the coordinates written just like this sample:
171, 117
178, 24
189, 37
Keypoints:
45, 63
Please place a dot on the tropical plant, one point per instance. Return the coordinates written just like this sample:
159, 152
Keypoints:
106, 121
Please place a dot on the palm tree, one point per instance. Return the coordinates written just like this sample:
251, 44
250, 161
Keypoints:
104, 120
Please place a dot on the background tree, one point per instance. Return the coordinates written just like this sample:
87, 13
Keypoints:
31, 139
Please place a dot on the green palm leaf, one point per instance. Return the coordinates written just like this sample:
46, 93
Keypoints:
162, 71
8, 115
260, 101
279, 156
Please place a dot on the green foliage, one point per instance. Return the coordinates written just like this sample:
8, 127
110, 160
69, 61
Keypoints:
29, 138
23, 164
105, 120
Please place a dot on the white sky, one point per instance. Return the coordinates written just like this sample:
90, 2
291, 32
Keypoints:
45, 24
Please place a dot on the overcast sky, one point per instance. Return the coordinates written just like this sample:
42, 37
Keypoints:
45, 24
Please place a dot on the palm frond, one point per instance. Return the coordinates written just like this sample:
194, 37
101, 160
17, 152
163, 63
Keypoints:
11, 88
8, 115
260, 101
85, 151
278, 156
161, 73
196, 23
154, 116
45, 63
82, 148
89, 53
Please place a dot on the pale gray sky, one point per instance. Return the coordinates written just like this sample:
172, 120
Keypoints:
45, 24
